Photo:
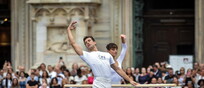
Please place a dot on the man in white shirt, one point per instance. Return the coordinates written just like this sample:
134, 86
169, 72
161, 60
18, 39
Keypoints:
100, 62
112, 48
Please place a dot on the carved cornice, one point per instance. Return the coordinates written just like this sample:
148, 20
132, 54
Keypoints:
63, 1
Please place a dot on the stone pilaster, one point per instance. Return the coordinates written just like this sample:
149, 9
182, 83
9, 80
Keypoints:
199, 31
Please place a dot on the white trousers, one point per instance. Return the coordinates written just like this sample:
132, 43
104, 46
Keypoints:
101, 82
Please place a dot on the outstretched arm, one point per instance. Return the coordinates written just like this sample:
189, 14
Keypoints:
76, 47
123, 74
124, 49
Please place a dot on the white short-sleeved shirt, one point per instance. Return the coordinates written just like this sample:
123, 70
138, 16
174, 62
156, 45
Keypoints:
115, 77
100, 63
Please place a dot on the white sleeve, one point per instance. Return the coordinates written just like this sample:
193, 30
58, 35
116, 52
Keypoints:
111, 60
122, 53
84, 56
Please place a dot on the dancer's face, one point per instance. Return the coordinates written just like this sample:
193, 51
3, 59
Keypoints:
89, 43
113, 52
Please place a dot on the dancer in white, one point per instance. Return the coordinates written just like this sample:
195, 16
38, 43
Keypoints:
100, 62
113, 50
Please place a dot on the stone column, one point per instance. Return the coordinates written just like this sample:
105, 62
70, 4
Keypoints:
127, 29
199, 31
20, 36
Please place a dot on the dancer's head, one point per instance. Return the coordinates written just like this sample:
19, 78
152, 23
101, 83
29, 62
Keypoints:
112, 49
89, 42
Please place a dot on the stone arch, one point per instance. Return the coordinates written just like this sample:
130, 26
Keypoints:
59, 11
42, 12
80, 11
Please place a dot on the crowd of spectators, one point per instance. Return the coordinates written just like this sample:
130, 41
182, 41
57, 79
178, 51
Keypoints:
48, 76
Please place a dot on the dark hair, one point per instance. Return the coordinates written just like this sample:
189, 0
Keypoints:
155, 66
201, 80
88, 37
67, 70
15, 85
47, 75
55, 78
111, 45
79, 73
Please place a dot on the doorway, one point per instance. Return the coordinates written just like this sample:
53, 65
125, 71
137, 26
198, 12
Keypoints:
5, 32
168, 29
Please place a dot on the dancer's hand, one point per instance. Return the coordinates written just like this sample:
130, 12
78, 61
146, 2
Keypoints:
72, 25
123, 38
134, 83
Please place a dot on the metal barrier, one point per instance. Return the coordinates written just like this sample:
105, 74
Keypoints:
124, 85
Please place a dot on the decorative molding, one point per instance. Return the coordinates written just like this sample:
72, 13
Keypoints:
64, 1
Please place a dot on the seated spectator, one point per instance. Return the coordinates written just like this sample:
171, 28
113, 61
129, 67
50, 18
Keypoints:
54, 83
32, 83
7, 82
22, 80
15, 83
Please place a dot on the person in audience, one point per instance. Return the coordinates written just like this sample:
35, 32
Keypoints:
151, 75
129, 74
159, 80
54, 83
157, 72
42, 68
32, 83
51, 71
170, 76
15, 83
137, 74
22, 80
7, 82
65, 81
181, 76
201, 83
45, 76
189, 78
164, 75
143, 77
74, 69
154, 80
79, 77
44, 83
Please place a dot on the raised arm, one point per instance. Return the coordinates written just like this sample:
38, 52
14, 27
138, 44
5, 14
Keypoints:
76, 47
124, 49
123, 74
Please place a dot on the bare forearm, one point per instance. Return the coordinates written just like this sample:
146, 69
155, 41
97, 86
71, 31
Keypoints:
70, 37
123, 74
76, 47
